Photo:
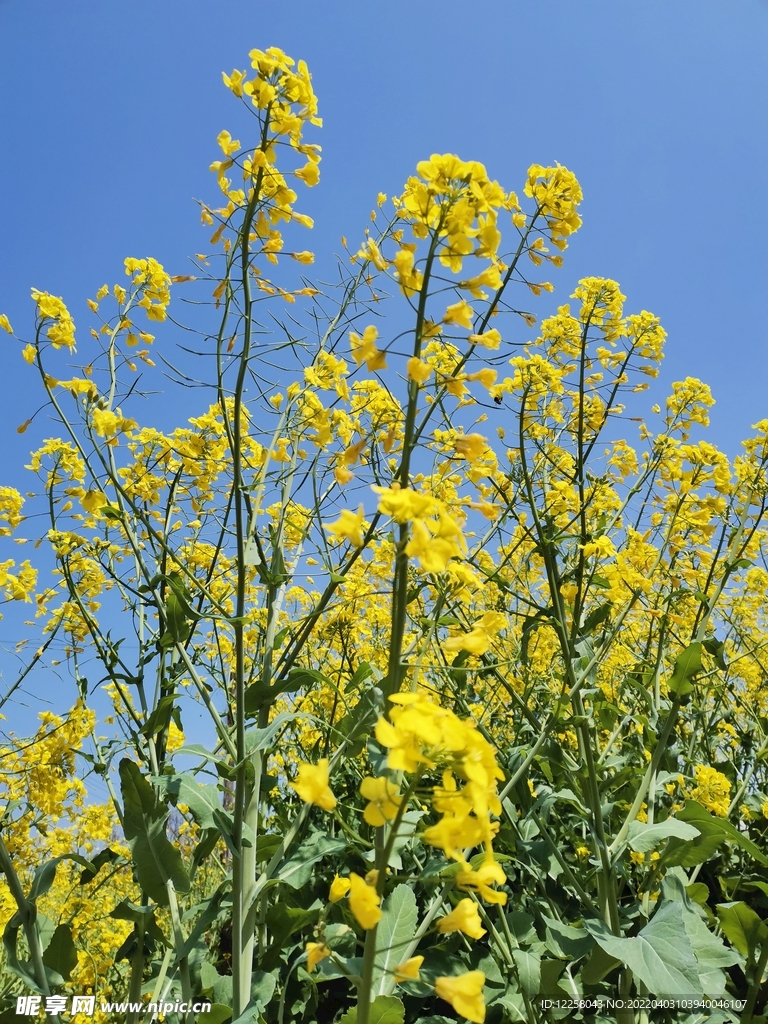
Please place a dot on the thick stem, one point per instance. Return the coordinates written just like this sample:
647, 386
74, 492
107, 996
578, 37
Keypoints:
137, 968
178, 943
754, 988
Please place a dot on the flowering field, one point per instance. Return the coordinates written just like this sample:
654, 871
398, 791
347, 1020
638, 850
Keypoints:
480, 649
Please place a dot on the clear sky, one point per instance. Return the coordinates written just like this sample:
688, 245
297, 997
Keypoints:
660, 107
110, 112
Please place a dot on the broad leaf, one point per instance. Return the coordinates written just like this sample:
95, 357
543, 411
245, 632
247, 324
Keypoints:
743, 927
297, 870
384, 1010
713, 832
528, 964
155, 860
660, 956
60, 954
396, 929
644, 837
218, 1014
203, 800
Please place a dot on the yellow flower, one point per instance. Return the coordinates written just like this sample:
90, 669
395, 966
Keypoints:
93, 500
339, 889
433, 553
602, 547
29, 352
418, 370
349, 526
364, 902
312, 785
459, 313
364, 349
316, 951
471, 446
489, 339
478, 881
476, 641
463, 918
403, 504
384, 800
107, 423
409, 971
62, 330
713, 790
465, 994
5, 323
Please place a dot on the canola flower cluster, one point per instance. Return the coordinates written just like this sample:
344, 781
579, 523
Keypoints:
421, 736
282, 97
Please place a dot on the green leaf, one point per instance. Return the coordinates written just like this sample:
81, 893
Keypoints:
21, 968
687, 665
596, 617
203, 800
383, 1010
209, 837
698, 892
716, 648
396, 929
263, 985
178, 629
743, 563
713, 832
644, 837
127, 911
566, 941
362, 672
258, 694
521, 928
284, 921
45, 874
528, 964
218, 1014
357, 722
92, 867
262, 990
599, 964
660, 956
210, 908
712, 955
513, 1003
161, 717
155, 860
182, 595
261, 739
60, 953
743, 927
297, 871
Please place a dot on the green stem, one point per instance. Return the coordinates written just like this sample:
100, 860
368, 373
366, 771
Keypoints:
27, 913
754, 988
137, 967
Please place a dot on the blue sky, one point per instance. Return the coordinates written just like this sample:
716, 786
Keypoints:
110, 113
